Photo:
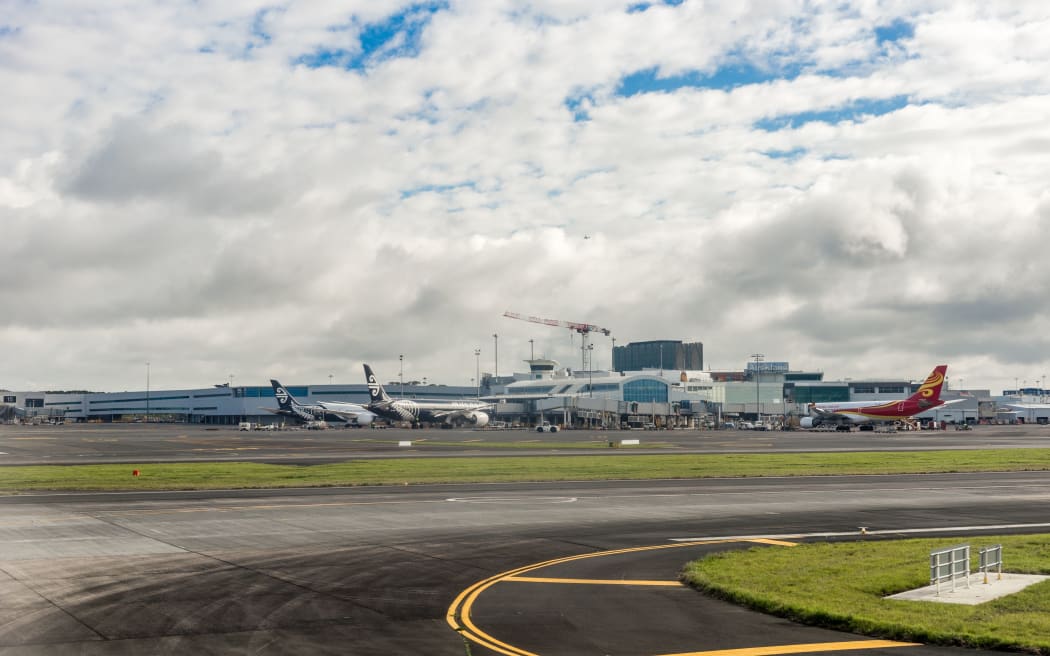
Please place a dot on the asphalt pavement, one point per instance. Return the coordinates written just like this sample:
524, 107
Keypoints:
145, 443
567, 568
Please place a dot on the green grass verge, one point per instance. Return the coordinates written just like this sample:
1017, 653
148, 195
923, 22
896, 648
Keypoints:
841, 586
396, 471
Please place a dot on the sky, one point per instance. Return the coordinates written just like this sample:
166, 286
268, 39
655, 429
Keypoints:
233, 190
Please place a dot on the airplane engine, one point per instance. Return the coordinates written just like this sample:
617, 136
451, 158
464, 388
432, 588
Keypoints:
364, 419
478, 419
809, 422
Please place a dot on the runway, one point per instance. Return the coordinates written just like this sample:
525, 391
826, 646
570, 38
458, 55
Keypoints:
142, 443
379, 570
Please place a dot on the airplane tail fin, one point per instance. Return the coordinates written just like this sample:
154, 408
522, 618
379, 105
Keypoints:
376, 393
285, 401
930, 391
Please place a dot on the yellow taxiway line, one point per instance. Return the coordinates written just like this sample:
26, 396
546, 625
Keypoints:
778, 650
536, 579
459, 613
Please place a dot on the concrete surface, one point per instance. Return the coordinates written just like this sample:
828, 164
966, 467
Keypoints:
978, 591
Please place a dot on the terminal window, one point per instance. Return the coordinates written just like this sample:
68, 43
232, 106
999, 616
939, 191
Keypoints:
9, 399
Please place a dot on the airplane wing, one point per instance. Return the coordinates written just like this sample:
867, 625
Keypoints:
347, 411
349, 415
822, 413
462, 412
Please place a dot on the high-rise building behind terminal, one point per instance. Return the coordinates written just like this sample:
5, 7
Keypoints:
659, 354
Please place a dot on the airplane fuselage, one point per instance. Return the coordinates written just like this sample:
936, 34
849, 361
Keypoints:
443, 412
427, 411
927, 397
859, 412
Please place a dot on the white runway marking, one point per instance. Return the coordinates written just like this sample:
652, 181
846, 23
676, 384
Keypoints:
839, 534
512, 499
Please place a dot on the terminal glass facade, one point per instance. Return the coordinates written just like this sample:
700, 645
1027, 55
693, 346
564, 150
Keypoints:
645, 391
821, 393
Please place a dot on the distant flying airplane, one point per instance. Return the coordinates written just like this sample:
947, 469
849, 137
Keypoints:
446, 413
288, 406
864, 413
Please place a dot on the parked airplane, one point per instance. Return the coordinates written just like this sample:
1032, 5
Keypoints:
288, 406
446, 413
865, 413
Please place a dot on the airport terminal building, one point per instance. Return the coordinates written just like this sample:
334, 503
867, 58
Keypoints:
603, 399
649, 397
220, 404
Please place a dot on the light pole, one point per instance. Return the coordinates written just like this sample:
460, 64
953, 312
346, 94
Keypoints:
495, 342
758, 403
147, 392
477, 371
590, 372
612, 356
329, 379
401, 373
532, 350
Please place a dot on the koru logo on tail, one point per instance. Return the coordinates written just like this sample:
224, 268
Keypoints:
282, 395
373, 386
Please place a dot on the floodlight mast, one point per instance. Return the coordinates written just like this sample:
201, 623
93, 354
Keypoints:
584, 329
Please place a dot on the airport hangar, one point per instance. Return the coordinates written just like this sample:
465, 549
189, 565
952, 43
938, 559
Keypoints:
678, 395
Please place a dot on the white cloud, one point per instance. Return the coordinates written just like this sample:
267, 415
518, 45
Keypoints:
178, 186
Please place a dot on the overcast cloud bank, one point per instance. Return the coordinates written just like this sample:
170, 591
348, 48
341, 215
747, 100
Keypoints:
289, 190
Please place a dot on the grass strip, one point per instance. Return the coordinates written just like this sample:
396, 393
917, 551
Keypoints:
841, 586
397, 471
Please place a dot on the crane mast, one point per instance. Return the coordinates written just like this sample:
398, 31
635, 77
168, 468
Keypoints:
584, 329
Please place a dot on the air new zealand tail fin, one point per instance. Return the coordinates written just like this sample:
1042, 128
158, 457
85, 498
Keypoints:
287, 404
285, 401
376, 393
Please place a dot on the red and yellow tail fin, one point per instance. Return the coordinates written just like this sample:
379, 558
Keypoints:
930, 390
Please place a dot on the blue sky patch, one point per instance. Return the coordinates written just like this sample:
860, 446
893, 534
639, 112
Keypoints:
725, 78
792, 154
642, 6
864, 107
398, 35
259, 26
575, 105
340, 58
895, 31
436, 189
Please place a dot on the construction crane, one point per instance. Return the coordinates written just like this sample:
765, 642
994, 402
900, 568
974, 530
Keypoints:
584, 329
